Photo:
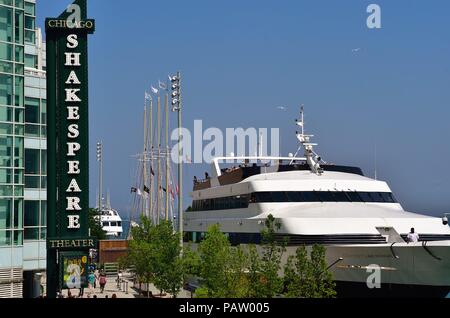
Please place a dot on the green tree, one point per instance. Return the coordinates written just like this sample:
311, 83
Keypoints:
191, 263
298, 275
324, 286
95, 225
213, 252
267, 279
221, 267
140, 253
235, 275
168, 265
308, 277
155, 255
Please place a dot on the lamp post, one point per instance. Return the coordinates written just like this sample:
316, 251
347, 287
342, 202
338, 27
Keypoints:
337, 261
176, 107
100, 174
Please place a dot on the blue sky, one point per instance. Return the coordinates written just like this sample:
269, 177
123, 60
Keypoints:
243, 59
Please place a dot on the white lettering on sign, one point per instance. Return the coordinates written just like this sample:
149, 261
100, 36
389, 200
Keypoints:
74, 167
73, 59
73, 204
72, 41
73, 131
73, 187
73, 113
72, 147
73, 94
73, 78
74, 222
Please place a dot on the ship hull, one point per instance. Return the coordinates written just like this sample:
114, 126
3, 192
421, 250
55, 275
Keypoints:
360, 290
401, 270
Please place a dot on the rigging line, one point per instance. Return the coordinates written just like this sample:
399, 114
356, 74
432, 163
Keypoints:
132, 201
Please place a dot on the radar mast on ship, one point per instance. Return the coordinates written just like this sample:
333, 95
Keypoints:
312, 158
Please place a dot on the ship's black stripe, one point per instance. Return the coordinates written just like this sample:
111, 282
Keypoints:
294, 240
429, 237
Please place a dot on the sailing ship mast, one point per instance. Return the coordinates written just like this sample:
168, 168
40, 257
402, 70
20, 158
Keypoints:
150, 210
158, 188
144, 156
163, 191
167, 156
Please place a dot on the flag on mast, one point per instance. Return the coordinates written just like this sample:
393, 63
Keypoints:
141, 194
162, 85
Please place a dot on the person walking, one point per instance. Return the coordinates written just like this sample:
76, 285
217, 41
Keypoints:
91, 281
97, 277
102, 282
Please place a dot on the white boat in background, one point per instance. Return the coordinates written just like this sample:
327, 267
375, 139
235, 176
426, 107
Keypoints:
111, 221
357, 218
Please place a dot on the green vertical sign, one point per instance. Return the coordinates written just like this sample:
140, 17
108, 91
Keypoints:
68, 142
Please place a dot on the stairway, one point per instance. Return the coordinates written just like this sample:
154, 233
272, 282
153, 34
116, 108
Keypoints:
111, 269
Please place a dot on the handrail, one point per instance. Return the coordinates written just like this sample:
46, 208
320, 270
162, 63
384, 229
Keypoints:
424, 245
393, 252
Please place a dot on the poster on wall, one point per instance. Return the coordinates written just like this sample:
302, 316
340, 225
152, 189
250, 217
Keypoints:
74, 270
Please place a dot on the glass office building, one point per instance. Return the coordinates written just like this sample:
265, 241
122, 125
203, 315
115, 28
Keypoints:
22, 150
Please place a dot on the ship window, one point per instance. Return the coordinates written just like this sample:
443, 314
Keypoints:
377, 197
263, 197
294, 196
341, 197
388, 197
279, 197
326, 196
310, 197
354, 197
365, 196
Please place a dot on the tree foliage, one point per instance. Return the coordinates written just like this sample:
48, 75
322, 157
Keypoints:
267, 281
221, 267
155, 255
95, 225
308, 276
225, 271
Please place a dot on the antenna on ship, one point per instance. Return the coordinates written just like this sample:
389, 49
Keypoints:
108, 201
312, 158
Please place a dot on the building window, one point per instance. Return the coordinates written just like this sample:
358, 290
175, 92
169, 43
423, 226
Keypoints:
30, 36
30, 8
32, 220
29, 22
6, 151
30, 60
32, 112
6, 89
6, 22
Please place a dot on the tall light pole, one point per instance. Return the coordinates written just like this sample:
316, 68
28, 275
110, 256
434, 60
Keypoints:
100, 174
177, 106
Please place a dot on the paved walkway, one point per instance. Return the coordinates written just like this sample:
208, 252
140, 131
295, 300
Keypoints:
126, 290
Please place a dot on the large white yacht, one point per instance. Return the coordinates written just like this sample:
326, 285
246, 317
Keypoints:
111, 223
358, 219
110, 220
